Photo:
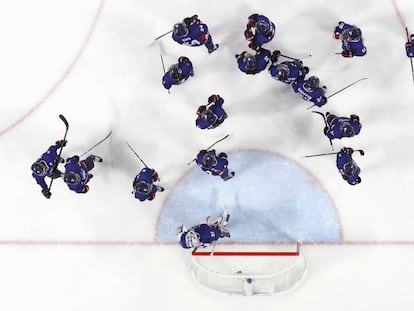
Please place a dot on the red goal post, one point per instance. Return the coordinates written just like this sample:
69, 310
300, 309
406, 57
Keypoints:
249, 269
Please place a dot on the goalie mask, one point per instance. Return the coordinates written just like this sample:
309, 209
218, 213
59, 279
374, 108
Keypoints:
190, 239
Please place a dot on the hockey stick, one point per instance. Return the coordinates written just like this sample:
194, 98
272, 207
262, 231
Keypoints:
211, 146
289, 57
213, 248
326, 124
163, 68
361, 152
221, 139
136, 154
411, 60
97, 144
163, 35
62, 117
344, 88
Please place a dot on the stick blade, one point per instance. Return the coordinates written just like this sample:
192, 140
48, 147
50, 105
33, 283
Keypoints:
62, 117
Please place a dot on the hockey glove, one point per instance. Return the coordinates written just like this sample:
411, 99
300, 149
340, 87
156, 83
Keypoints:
61, 143
347, 53
154, 175
222, 155
201, 109
248, 34
213, 98
85, 189
275, 56
354, 118
254, 46
336, 35
47, 194
347, 150
191, 20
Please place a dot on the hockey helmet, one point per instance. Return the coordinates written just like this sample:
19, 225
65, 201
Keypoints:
346, 129
175, 72
282, 72
350, 168
209, 116
354, 33
250, 61
190, 239
71, 178
313, 81
209, 160
143, 187
39, 168
180, 29
262, 26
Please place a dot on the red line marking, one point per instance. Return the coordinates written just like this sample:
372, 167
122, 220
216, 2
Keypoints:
129, 243
65, 74
245, 253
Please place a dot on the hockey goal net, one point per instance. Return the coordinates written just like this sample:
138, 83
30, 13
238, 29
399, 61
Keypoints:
249, 269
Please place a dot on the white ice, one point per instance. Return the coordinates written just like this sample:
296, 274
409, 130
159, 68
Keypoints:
96, 63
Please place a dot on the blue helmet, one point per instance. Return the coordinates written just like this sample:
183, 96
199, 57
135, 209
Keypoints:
262, 26
354, 33
39, 168
71, 178
346, 129
180, 29
175, 72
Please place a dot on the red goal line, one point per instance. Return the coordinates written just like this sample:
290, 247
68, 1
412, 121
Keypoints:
239, 253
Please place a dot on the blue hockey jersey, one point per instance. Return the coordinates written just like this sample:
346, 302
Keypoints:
252, 64
143, 184
264, 29
340, 127
352, 41
77, 173
315, 95
205, 235
212, 115
49, 159
178, 73
288, 71
347, 166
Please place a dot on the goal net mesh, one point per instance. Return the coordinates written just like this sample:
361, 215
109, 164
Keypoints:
248, 269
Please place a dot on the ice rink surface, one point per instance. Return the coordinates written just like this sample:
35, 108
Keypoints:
97, 63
